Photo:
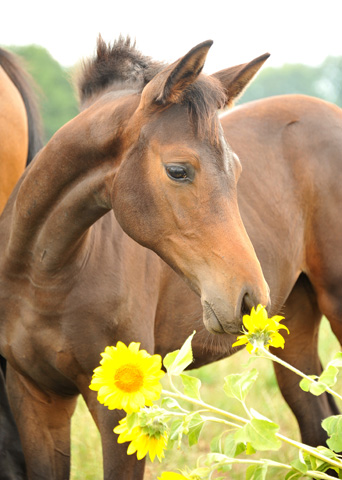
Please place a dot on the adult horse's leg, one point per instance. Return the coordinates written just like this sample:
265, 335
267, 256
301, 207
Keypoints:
12, 463
116, 463
329, 285
301, 350
336, 327
43, 421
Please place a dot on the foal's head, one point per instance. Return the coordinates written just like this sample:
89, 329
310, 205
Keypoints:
174, 187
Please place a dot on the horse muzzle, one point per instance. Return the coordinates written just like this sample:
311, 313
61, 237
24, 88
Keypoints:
220, 316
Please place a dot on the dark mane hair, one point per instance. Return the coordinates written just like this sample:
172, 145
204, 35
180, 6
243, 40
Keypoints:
121, 63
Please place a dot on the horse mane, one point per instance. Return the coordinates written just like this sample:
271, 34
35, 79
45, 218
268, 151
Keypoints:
117, 63
25, 85
123, 65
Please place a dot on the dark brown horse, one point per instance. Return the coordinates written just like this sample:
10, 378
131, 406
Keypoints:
20, 139
149, 146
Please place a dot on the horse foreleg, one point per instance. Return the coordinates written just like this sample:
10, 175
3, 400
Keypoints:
117, 465
337, 329
301, 350
330, 302
43, 421
12, 463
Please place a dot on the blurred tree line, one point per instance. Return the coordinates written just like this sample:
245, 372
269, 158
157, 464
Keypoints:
58, 99
324, 81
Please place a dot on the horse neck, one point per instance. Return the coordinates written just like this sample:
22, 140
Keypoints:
65, 191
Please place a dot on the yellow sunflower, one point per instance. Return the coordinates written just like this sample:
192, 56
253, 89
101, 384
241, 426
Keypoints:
150, 440
127, 378
172, 476
261, 331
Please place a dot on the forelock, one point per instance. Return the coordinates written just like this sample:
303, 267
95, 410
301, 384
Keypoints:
122, 64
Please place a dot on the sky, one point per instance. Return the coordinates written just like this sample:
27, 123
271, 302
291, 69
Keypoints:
293, 31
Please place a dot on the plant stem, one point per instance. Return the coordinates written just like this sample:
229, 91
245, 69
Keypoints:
274, 358
272, 463
220, 420
206, 406
311, 450
324, 476
301, 446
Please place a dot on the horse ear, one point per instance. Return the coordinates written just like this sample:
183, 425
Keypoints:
182, 73
236, 79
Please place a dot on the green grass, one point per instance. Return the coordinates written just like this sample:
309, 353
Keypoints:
265, 397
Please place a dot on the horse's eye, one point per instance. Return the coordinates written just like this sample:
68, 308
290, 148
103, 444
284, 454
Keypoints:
177, 172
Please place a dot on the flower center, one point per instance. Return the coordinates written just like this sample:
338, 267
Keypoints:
260, 336
155, 429
129, 378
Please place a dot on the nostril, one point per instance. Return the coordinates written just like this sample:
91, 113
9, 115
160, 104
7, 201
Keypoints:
246, 304
245, 309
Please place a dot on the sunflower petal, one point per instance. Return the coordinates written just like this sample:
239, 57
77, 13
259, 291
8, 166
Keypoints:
277, 340
241, 340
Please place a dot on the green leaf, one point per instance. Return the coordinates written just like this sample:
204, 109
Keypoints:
305, 383
310, 460
132, 420
238, 385
215, 444
171, 404
256, 472
176, 362
195, 427
229, 446
216, 458
191, 386
337, 360
260, 433
224, 468
240, 448
176, 432
315, 464
169, 359
317, 388
249, 449
218, 462
200, 472
299, 466
327, 452
333, 426
327, 378
293, 475
259, 416
329, 375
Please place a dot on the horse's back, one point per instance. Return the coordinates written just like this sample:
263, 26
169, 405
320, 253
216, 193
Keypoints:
13, 136
26, 87
290, 191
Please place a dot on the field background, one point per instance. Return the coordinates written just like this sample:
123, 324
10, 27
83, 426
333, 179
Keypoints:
265, 397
